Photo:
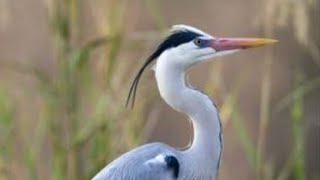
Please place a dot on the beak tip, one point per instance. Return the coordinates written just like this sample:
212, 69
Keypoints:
272, 41
262, 42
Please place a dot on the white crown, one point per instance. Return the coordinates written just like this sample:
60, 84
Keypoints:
183, 27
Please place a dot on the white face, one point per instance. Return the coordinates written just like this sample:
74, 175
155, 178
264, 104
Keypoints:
204, 47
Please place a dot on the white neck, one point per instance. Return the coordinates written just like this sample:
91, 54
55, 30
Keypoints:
207, 146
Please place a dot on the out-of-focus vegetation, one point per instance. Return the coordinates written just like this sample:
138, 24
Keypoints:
297, 15
82, 123
81, 117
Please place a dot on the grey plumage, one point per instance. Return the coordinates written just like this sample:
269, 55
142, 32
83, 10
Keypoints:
142, 163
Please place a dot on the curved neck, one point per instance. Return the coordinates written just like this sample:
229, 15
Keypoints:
206, 147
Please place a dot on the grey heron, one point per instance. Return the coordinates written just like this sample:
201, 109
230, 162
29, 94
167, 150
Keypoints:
185, 47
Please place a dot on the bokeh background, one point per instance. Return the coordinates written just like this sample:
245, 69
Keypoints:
66, 67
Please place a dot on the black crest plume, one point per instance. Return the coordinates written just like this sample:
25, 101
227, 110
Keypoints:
173, 40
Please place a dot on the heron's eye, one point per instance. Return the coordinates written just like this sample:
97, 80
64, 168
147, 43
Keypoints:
198, 42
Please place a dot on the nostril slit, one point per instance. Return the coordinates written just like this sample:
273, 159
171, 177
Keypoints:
223, 40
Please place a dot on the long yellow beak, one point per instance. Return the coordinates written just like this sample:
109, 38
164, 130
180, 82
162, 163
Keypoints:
221, 44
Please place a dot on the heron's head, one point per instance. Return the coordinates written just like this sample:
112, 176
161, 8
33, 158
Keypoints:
187, 46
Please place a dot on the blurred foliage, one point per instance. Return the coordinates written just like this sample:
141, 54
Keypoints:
6, 135
80, 116
297, 14
74, 127
284, 14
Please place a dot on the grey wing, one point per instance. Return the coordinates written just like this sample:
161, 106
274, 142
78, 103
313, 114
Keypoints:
143, 163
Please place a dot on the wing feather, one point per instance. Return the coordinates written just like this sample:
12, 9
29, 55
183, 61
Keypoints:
143, 163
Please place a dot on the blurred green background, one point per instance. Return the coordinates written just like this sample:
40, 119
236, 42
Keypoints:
66, 66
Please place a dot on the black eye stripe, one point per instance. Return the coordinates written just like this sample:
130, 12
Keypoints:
173, 40
177, 39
